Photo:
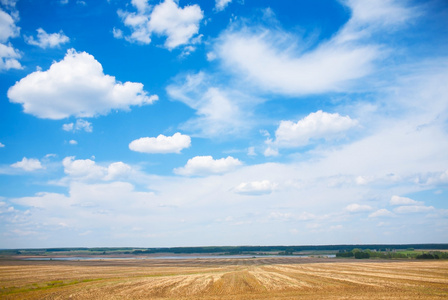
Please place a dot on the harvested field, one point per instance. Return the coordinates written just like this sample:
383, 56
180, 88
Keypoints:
261, 278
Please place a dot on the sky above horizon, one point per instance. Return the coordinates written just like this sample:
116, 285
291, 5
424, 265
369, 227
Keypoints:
153, 123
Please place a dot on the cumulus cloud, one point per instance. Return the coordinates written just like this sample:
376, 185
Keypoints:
116, 170
73, 142
87, 169
220, 5
76, 86
8, 29
2, 145
397, 200
78, 126
315, 126
141, 5
28, 164
263, 187
68, 126
206, 165
82, 168
381, 213
354, 208
45, 40
178, 25
270, 151
161, 144
9, 58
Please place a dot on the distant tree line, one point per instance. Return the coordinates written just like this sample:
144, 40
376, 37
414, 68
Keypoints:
382, 250
387, 254
356, 253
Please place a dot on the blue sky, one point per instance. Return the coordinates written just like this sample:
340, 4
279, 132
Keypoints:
228, 122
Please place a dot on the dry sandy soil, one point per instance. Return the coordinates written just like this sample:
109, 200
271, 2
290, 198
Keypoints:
260, 278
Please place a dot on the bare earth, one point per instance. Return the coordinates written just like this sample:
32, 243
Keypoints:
260, 278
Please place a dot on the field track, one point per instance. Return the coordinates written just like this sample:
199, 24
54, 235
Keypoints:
261, 278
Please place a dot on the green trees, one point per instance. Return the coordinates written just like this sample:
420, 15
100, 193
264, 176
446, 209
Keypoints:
357, 253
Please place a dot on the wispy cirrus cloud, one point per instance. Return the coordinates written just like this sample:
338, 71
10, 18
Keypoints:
291, 66
220, 111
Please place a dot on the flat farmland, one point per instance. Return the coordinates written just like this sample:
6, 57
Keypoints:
251, 278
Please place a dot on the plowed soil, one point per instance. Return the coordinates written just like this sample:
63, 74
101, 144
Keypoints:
260, 278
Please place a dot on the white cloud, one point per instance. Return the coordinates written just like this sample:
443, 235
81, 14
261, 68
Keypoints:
117, 33
263, 187
354, 208
413, 209
379, 13
78, 126
88, 170
289, 70
270, 152
68, 126
219, 112
280, 216
206, 165
139, 26
315, 126
9, 3
397, 200
221, 4
362, 180
45, 40
141, 5
83, 168
73, 142
381, 213
9, 58
76, 86
8, 29
276, 61
251, 151
28, 164
179, 25
117, 170
161, 144
2, 145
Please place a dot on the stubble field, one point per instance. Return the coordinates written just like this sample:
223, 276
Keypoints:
260, 278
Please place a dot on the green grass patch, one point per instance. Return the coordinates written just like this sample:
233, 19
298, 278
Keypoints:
43, 286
